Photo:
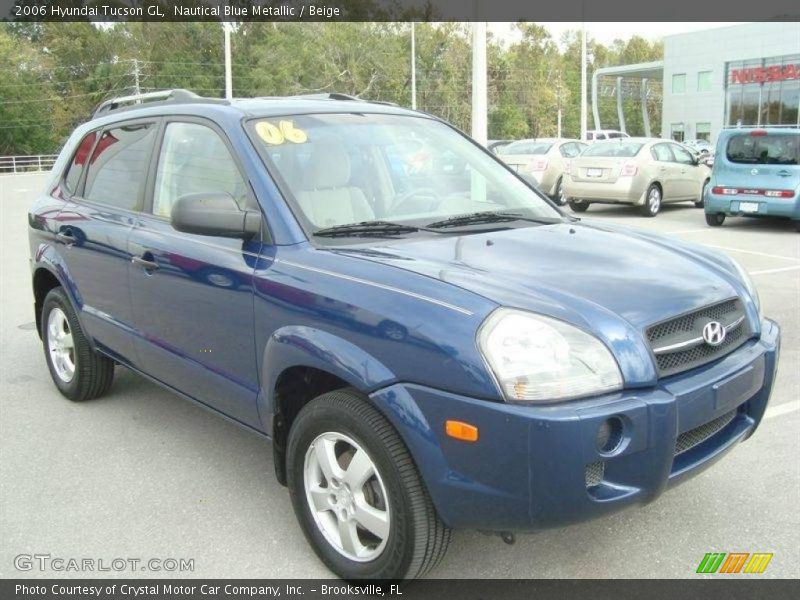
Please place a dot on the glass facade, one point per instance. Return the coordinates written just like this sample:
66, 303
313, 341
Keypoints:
763, 92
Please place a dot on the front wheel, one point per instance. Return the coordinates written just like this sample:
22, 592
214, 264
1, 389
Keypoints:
357, 493
652, 202
578, 205
715, 219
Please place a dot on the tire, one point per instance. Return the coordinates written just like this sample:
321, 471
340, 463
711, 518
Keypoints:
347, 425
559, 198
652, 201
702, 202
715, 219
578, 205
797, 226
78, 371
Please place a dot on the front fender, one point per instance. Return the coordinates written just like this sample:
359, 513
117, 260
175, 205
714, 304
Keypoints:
304, 346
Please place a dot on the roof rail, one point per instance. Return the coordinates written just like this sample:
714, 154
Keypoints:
340, 96
177, 95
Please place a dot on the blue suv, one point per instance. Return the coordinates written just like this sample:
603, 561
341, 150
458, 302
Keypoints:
756, 174
427, 341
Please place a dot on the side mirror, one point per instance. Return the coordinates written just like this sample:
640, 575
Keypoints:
215, 214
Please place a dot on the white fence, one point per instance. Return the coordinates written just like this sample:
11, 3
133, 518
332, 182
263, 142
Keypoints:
27, 164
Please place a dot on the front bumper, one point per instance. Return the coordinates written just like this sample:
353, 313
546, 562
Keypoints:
767, 207
537, 466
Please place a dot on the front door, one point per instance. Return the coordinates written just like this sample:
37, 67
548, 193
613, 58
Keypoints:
192, 295
689, 186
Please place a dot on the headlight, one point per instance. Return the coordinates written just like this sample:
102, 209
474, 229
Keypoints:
538, 359
748, 283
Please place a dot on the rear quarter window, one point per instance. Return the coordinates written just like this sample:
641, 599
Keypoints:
770, 149
79, 162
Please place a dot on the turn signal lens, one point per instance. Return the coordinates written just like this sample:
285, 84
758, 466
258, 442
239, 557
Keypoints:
461, 431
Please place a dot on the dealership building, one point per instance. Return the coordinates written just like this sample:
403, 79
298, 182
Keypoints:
737, 76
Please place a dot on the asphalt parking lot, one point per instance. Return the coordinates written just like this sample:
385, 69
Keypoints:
144, 474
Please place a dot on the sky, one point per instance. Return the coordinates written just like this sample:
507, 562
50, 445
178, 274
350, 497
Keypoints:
606, 33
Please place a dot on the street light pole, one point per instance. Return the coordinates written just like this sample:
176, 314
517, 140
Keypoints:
479, 94
413, 69
226, 27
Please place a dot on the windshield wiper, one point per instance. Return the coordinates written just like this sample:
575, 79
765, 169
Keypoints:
490, 217
366, 228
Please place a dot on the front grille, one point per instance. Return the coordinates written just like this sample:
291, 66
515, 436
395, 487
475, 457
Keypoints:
698, 435
688, 328
593, 473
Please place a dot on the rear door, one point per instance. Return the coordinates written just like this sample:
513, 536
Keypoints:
192, 295
667, 170
94, 228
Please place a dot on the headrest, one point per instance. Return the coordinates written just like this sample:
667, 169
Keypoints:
329, 166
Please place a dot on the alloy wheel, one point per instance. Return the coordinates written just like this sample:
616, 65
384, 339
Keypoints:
347, 497
60, 345
654, 200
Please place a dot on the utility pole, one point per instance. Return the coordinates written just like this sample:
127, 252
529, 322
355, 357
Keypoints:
226, 27
584, 114
479, 94
413, 70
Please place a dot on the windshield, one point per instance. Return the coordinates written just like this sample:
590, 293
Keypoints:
526, 147
769, 149
341, 169
619, 149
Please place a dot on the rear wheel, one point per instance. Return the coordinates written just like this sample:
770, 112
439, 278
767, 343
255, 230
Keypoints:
715, 219
578, 205
78, 371
357, 493
559, 196
652, 202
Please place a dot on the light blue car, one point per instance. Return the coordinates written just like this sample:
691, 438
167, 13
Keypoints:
756, 173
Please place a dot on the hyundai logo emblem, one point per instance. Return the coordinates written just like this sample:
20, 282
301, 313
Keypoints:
714, 333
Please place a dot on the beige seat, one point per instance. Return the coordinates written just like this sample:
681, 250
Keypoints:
326, 198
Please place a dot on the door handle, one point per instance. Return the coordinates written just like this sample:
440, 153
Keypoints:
147, 265
65, 237
783, 173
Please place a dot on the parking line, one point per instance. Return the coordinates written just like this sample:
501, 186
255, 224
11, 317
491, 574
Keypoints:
781, 409
752, 252
779, 270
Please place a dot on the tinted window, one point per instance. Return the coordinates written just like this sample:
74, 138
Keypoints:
616, 134
771, 149
663, 153
194, 159
118, 167
615, 149
79, 162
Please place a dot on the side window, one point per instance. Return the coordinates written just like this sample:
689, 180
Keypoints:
682, 155
79, 163
580, 147
194, 159
662, 153
118, 167
568, 150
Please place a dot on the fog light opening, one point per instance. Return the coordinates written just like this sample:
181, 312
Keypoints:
609, 435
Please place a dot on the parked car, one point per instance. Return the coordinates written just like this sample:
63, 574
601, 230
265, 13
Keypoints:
544, 160
644, 172
594, 135
756, 174
700, 146
426, 349
496, 145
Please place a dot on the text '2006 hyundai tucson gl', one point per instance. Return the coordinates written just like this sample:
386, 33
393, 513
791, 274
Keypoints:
427, 341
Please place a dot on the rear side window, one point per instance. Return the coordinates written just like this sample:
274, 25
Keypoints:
118, 167
194, 159
769, 149
614, 149
79, 163
661, 152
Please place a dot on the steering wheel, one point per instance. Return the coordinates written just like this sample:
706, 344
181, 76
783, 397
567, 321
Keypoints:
426, 196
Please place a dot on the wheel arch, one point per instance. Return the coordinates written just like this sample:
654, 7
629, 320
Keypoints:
300, 363
47, 276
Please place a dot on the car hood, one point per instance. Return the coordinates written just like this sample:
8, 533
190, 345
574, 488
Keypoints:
581, 273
